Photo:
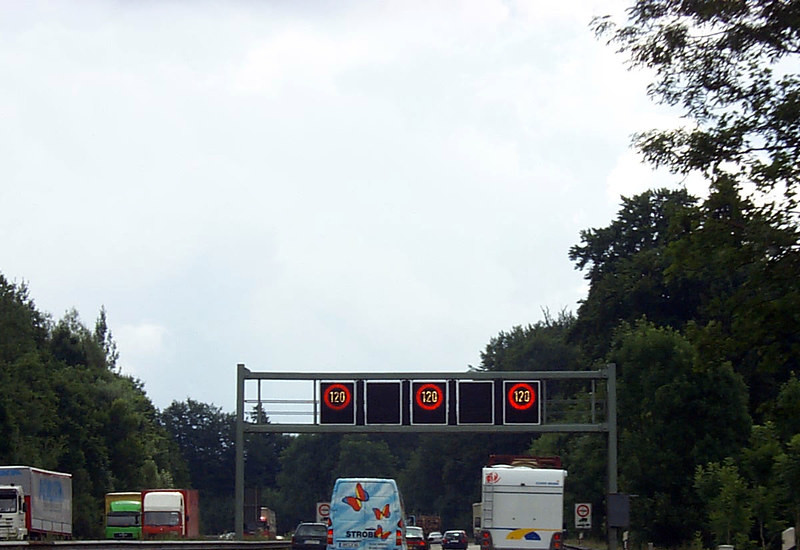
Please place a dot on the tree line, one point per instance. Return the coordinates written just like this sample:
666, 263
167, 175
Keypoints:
695, 299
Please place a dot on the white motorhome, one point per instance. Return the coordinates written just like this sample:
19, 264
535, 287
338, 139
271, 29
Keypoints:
522, 508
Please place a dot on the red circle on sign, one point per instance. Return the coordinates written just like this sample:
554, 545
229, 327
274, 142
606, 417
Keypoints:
324, 509
582, 510
521, 396
338, 405
421, 401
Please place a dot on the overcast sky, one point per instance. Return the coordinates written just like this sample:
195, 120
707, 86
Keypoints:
308, 185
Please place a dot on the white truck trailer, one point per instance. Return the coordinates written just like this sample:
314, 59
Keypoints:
522, 508
34, 503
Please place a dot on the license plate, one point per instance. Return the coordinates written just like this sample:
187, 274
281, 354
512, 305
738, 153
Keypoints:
312, 541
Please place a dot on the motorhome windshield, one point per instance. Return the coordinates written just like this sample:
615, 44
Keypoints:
8, 501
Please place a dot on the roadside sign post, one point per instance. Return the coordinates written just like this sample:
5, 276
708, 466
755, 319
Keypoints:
583, 515
323, 511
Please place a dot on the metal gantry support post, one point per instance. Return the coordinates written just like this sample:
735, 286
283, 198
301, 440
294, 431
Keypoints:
612, 445
239, 477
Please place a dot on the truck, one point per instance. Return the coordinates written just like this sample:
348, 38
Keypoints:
123, 513
34, 503
170, 513
259, 520
522, 507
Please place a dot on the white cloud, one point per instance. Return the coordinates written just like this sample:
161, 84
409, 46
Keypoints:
140, 346
379, 185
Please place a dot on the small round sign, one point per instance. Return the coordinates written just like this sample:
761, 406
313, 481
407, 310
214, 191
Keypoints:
324, 509
582, 510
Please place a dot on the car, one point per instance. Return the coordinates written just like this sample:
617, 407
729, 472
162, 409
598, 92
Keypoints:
435, 537
454, 540
415, 538
310, 536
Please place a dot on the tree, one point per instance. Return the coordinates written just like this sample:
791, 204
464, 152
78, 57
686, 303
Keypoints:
788, 467
668, 399
728, 65
747, 292
539, 347
625, 264
758, 467
306, 476
727, 501
62, 407
204, 436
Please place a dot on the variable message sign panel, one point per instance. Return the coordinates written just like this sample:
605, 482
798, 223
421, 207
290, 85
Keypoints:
429, 402
337, 403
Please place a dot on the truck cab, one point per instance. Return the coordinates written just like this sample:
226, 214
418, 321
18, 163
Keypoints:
170, 513
123, 516
12, 513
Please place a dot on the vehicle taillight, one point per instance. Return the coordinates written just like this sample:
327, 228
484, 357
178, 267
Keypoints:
398, 538
556, 542
486, 540
329, 540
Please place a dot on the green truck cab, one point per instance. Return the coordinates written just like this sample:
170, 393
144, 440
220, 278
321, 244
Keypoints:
124, 516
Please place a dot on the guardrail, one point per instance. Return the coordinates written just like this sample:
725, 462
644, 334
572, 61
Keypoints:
210, 544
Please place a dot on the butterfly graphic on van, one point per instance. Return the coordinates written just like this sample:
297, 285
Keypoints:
380, 533
380, 514
355, 502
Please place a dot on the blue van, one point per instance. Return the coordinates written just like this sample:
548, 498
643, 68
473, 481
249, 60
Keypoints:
366, 514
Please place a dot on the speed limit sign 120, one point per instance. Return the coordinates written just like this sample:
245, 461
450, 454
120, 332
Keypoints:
583, 515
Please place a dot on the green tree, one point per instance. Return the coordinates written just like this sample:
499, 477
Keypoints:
758, 466
747, 293
729, 66
64, 407
361, 456
786, 409
788, 468
539, 347
669, 401
625, 264
204, 436
727, 501
306, 477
